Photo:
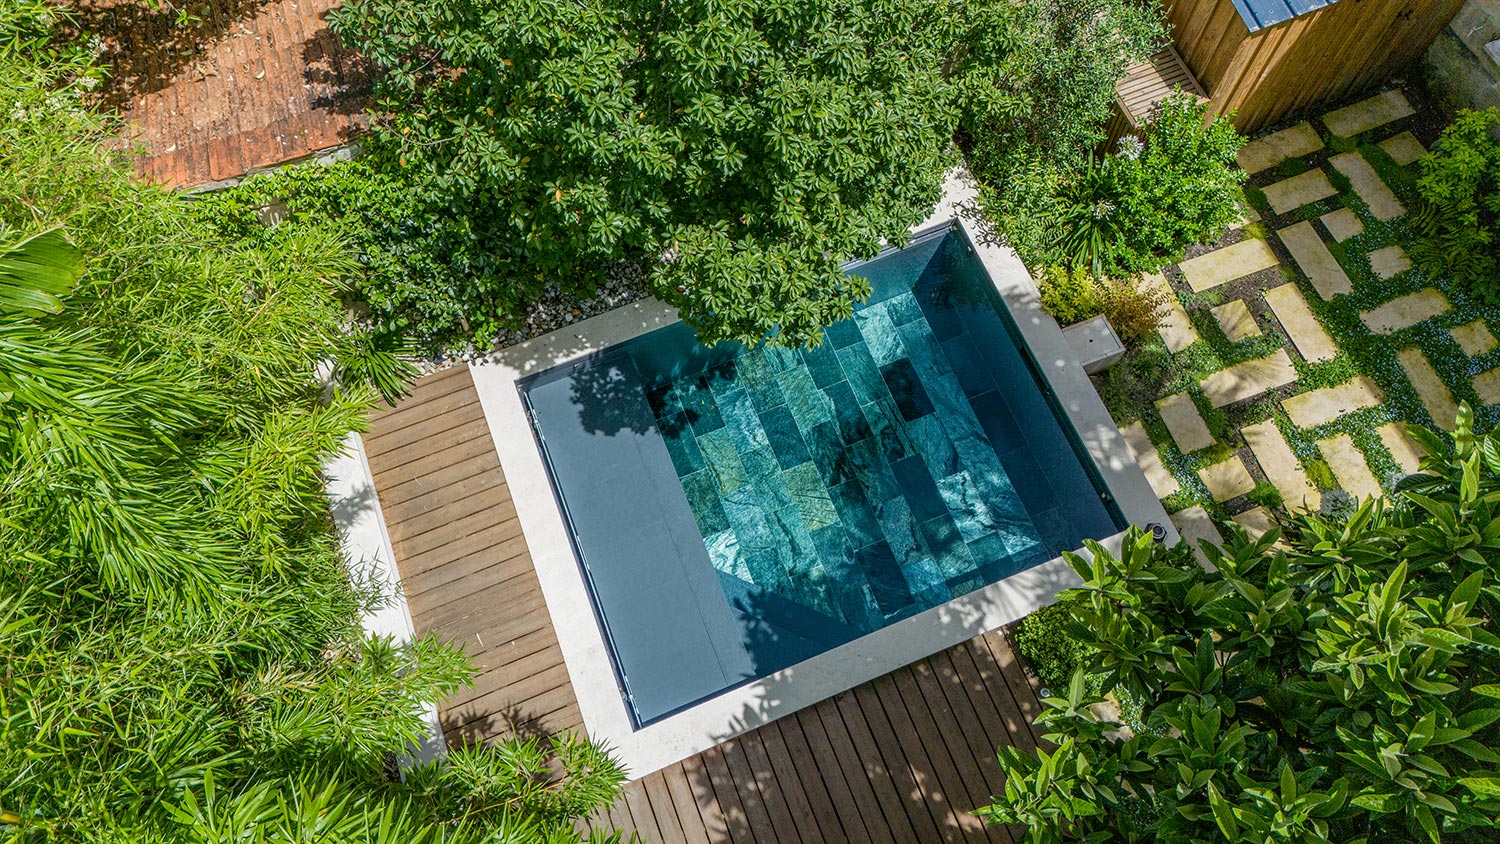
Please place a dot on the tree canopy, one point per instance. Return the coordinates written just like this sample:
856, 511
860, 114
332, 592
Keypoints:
1335, 684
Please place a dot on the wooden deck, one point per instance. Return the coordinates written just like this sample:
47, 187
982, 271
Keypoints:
465, 567
901, 759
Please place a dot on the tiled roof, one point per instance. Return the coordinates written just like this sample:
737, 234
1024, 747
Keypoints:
1259, 14
246, 84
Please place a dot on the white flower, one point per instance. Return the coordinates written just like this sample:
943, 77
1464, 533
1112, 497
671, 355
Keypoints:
1131, 147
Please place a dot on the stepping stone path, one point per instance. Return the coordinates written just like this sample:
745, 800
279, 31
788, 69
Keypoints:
1277, 147
1342, 224
1474, 338
1236, 321
1406, 311
1257, 522
1430, 388
1389, 262
1149, 459
1487, 385
1291, 194
1184, 423
1247, 257
1366, 182
1349, 467
1403, 450
1227, 480
1176, 330
1249, 379
1317, 263
1297, 320
1403, 148
1194, 524
1319, 407
1368, 114
1281, 466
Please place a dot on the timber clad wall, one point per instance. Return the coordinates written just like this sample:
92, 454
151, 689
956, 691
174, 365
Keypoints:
1318, 57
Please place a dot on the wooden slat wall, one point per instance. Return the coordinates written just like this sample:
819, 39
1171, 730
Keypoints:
902, 759
1312, 59
464, 564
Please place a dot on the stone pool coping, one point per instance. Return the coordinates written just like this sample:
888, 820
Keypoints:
704, 725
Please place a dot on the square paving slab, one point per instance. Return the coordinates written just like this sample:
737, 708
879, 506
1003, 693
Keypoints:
1319, 407
1297, 320
1365, 115
1430, 388
1249, 379
1257, 522
1474, 338
1349, 467
1236, 321
1406, 311
1290, 194
1176, 330
1403, 148
1316, 262
1281, 466
1271, 150
1487, 385
1403, 448
1149, 459
1367, 183
1238, 260
1389, 261
1184, 422
1227, 480
1342, 224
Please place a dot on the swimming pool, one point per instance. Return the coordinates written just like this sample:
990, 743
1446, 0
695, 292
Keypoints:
738, 511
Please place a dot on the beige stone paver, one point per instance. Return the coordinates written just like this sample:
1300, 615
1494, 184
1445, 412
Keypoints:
1227, 480
1149, 459
1403, 448
1406, 311
1281, 466
1474, 338
1250, 255
1319, 407
1317, 263
1236, 321
1487, 385
1257, 522
1349, 467
1430, 388
1291, 194
1194, 524
1184, 422
1342, 224
1403, 148
1367, 183
1277, 147
1368, 114
1389, 261
1249, 379
1176, 330
1307, 334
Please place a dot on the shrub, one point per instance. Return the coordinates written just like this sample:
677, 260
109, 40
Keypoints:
1342, 689
1072, 296
1459, 217
1054, 655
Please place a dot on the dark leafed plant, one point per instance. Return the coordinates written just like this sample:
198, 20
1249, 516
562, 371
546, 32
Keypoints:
1459, 217
1339, 688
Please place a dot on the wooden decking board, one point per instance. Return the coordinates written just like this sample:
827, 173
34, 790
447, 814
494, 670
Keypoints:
865, 771
511, 553
439, 548
448, 602
931, 771
393, 463
898, 768
748, 790
641, 816
773, 792
994, 685
460, 478
470, 416
806, 799
667, 820
949, 768
685, 805
439, 518
983, 750
715, 819
736, 819
960, 746
827, 826
827, 757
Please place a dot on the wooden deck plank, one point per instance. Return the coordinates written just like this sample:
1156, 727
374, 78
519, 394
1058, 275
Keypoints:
789, 741
742, 776
736, 819
772, 789
667, 821
859, 710
951, 732
866, 774
827, 759
803, 799
948, 767
881, 695
685, 805
700, 782
1017, 726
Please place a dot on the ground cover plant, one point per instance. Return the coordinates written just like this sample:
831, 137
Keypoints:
183, 660
1460, 214
1338, 687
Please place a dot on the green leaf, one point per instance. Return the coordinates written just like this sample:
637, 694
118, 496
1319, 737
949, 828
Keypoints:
37, 271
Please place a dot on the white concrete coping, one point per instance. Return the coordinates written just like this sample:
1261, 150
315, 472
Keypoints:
366, 546
741, 709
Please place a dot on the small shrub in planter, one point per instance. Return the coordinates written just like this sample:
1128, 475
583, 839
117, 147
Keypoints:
1074, 295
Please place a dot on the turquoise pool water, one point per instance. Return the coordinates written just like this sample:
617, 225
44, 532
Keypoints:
740, 510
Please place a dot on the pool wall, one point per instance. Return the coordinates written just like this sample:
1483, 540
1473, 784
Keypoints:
746, 707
